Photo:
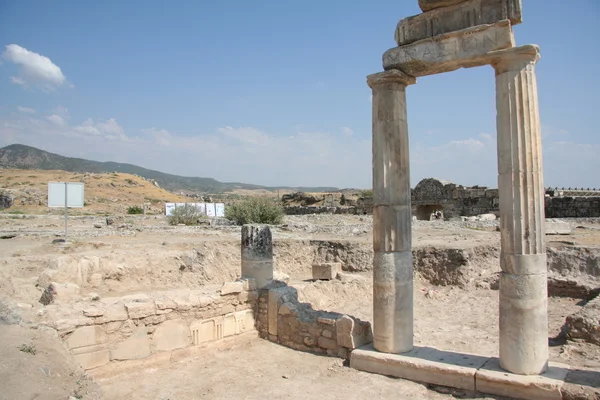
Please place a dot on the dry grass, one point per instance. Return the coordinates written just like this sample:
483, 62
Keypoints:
104, 193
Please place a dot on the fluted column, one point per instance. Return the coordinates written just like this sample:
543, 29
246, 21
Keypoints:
392, 217
523, 286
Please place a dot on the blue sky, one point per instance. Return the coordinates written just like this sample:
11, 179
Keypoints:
274, 92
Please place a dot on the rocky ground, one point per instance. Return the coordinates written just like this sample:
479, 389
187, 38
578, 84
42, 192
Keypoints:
456, 299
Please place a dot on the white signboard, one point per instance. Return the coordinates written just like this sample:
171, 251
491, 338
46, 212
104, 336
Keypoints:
73, 194
208, 209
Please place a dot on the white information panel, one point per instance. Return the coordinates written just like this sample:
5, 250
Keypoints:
74, 194
208, 209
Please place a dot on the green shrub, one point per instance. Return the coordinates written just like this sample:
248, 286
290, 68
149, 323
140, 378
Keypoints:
366, 193
186, 214
135, 210
258, 210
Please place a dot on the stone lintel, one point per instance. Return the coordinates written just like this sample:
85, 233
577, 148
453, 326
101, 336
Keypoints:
391, 76
460, 16
514, 59
466, 48
428, 5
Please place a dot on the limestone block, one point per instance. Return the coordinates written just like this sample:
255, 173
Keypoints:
232, 288
165, 304
353, 334
277, 297
170, 335
93, 312
461, 49
207, 330
229, 325
135, 347
249, 284
93, 359
113, 312
421, 364
86, 336
493, 380
137, 310
464, 15
244, 321
557, 227
326, 271
428, 5
487, 217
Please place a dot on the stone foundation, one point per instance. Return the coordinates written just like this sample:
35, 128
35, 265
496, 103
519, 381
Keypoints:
283, 319
139, 326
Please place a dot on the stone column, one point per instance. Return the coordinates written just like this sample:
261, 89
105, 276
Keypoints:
392, 216
523, 284
257, 254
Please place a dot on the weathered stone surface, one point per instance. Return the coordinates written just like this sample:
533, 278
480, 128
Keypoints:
170, 335
232, 288
491, 379
422, 364
86, 336
352, 333
523, 316
326, 271
461, 16
135, 347
428, 5
59, 293
92, 359
557, 227
327, 343
140, 309
461, 49
277, 297
585, 324
392, 262
206, 330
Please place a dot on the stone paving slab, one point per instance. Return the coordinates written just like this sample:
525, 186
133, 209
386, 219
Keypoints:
422, 364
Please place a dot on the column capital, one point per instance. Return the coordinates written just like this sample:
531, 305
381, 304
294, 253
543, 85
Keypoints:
390, 76
514, 59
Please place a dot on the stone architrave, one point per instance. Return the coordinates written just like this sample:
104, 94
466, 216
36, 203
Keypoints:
428, 5
392, 217
465, 48
257, 254
523, 281
461, 16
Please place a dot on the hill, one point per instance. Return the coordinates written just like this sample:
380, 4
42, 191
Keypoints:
18, 156
110, 193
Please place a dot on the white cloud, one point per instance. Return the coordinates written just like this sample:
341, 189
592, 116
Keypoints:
34, 68
347, 131
57, 120
26, 110
303, 158
161, 136
108, 129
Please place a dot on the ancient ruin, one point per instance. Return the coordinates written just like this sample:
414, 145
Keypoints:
442, 39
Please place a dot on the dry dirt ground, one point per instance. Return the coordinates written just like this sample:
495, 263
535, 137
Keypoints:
144, 253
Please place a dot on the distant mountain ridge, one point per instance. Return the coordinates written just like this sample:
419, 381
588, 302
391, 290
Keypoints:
20, 156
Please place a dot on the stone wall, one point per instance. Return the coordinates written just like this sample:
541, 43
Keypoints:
454, 200
303, 210
572, 207
135, 327
281, 318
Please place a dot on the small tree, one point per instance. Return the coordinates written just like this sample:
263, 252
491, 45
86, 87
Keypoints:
187, 214
257, 210
135, 210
